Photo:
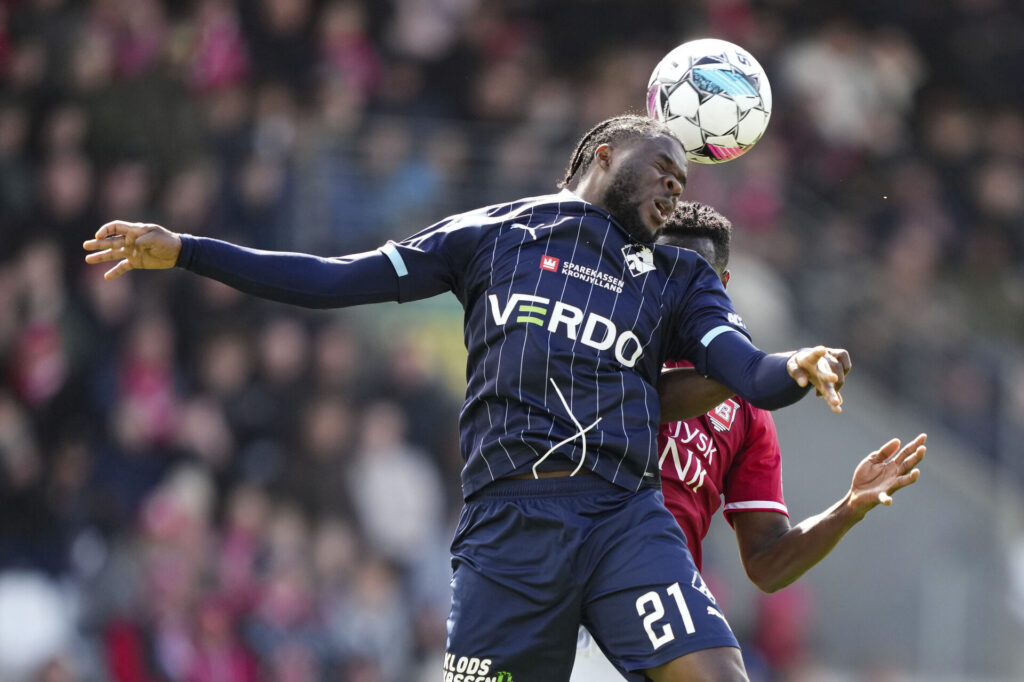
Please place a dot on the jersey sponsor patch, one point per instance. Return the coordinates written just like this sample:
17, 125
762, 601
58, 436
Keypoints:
558, 317
549, 263
472, 669
592, 276
724, 415
640, 259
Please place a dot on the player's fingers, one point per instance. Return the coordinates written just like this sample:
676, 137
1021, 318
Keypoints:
108, 242
843, 357
905, 480
836, 367
809, 357
908, 463
117, 227
910, 449
885, 452
796, 371
101, 256
884, 498
823, 370
118, 270
832, 397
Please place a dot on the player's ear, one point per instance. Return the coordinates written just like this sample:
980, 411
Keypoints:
726, 276
603, 155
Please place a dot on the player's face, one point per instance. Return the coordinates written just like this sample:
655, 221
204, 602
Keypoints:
647, 179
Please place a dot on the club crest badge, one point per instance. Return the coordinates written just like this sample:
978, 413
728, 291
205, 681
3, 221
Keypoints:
724, 415
640, 259
697, 583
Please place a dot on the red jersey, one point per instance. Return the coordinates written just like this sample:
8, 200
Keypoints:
731, 452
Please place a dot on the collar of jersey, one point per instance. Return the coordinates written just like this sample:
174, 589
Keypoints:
568, 195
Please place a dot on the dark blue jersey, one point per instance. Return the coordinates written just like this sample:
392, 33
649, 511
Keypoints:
568, 322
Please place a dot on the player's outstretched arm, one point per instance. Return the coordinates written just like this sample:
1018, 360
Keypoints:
295, 278
775, 554
136, 246
685, 394
774, 381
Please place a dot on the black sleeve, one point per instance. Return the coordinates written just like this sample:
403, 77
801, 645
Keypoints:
295, 278
755, 376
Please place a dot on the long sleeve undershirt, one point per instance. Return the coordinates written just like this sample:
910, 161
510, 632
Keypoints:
370, 277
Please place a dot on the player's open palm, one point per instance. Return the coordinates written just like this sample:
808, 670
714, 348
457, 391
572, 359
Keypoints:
885, 471
136, 246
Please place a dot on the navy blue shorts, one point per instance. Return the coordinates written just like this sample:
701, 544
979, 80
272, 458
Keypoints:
532, 560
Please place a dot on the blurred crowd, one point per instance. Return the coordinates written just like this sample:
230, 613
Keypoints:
217, 488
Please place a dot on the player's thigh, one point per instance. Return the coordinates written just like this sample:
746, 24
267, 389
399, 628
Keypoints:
721, 664
515, 606
645, 602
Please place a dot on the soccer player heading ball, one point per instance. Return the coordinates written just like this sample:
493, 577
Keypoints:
571, 310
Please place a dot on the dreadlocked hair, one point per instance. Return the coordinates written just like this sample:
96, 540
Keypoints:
607, 132
693, 219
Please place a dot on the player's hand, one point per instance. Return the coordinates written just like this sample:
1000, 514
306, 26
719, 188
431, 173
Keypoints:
137, 246
885, 471
825, 369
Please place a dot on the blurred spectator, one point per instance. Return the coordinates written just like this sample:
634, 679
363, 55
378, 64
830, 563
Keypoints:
189, 198
430, 414
347, 52
369, 627
29, 536
257, 202
40, 357
15, 169
386, 465
425, 29
66, 201
65, 130
833, 77
125, 191
219, 654
281, 41
317, 466
218, 58
340, 359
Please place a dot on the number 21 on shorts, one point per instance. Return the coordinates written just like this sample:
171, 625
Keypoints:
649, 606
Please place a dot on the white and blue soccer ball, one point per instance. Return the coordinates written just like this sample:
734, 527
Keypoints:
714, 96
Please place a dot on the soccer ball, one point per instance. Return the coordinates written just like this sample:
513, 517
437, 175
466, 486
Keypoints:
714, 96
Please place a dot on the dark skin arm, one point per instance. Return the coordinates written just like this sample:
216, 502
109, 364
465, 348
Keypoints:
774, 554
685, 394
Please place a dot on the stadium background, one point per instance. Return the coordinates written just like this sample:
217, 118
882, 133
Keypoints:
199, 486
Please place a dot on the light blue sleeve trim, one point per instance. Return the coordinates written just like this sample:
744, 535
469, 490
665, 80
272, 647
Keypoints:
716, 332
391, 252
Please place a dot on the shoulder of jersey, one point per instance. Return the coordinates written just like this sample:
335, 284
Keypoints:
671, 259
675, 253
564, 203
